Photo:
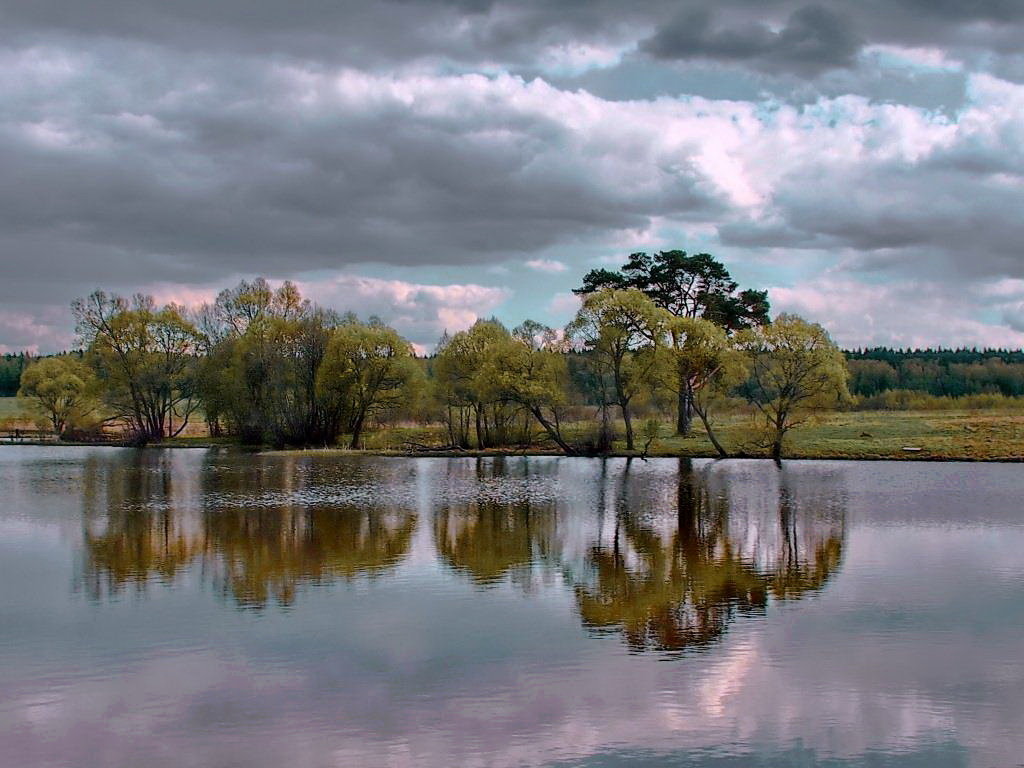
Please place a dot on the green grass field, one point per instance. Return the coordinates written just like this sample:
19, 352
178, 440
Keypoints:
13, 411
876, 434
947, 434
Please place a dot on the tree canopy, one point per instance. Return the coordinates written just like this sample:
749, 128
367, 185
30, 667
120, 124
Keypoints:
622, 330
687, 286
694, 287
795, 368
62, 389
145, 359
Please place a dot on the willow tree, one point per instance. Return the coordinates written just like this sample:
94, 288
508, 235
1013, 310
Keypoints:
529, 369
702, 362
61, 388
236, 309
468, 396
263, 351
145, 359
367, 368
621, 330
794, 369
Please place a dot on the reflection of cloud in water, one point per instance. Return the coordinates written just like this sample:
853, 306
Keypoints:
726, 677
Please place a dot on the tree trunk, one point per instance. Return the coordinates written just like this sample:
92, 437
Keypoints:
711, 433
684, 412
553, 432
357, 431
451, 427
606, 438
780, 433
628, 419
479, 428
181, 427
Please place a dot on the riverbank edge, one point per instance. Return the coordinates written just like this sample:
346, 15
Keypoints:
190, 443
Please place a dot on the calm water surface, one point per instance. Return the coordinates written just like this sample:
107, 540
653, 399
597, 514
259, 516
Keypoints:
193, 608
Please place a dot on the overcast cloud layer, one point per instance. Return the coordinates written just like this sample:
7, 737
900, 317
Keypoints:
434, 162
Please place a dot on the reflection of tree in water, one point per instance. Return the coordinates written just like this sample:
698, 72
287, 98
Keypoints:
668, 559
495, 534
675, 584
143, 538
667, 599
806, 561
255, 552
262, 554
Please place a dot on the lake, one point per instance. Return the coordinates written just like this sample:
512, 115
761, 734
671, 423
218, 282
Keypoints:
214, 608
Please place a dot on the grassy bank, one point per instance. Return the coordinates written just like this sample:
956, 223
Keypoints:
973, 435
984, 434
14, 414
946, 434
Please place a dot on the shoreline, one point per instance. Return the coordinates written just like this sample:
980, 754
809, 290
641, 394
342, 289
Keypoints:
911, 456
986, 435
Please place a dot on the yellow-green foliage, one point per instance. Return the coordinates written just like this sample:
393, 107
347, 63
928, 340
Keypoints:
480, 381
59, 390
264, 365
144, 359
623, 331
370, 369
795, 368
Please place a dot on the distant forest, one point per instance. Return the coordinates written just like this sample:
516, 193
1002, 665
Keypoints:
11, 367
942, 372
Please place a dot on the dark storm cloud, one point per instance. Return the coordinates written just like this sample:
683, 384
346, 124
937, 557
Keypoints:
350, 31
810, 39
813, 40
776, 35
220, 170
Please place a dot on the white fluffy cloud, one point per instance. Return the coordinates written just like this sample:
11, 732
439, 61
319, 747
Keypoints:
915, 314
421, 312
546, 265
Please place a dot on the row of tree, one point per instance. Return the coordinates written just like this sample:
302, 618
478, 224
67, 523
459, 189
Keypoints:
939, 372
268, 367
945, 374
259, 364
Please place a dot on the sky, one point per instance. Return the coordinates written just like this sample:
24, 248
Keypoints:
436, 161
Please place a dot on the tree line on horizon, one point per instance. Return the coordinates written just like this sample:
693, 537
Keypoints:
940, 372
667, 333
